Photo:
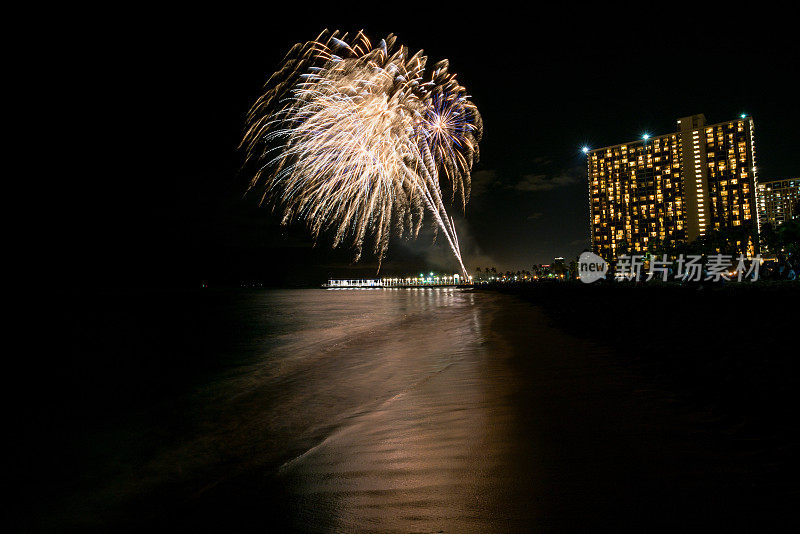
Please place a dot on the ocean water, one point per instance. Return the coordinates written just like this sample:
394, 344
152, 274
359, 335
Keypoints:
404, 410
340, 404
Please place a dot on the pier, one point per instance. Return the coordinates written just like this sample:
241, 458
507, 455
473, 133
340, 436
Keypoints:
406, 282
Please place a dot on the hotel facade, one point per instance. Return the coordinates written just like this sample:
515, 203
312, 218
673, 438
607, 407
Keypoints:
777, 201
672, 188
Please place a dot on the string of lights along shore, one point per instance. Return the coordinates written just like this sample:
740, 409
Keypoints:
674, 187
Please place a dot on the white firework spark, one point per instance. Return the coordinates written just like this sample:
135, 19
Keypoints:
356, 138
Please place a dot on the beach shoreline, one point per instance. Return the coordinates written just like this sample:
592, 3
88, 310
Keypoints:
516, 417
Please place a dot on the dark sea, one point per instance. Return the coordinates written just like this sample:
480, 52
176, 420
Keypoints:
405, 410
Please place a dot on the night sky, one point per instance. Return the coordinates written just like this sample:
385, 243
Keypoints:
152, 192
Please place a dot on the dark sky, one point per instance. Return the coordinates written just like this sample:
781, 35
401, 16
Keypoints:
151, 191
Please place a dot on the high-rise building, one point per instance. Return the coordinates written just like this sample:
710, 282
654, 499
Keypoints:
777, 201
672, 188
559, 265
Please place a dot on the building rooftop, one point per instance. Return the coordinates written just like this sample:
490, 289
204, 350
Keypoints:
649, 137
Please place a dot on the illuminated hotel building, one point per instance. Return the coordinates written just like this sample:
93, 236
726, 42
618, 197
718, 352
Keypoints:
777, 201
673, 187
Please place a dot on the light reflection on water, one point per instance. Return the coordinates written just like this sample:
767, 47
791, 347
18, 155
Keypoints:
366, 405
376, 407
431, 457
391, 410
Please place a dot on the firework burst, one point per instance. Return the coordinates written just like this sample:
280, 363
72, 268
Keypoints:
361, 140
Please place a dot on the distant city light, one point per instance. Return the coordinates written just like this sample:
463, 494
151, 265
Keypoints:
646, 137
585, 150
743, 115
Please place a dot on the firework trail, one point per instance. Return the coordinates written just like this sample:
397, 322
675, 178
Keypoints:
360, 139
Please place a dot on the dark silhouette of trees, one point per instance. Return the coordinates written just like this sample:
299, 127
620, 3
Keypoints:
623, 248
